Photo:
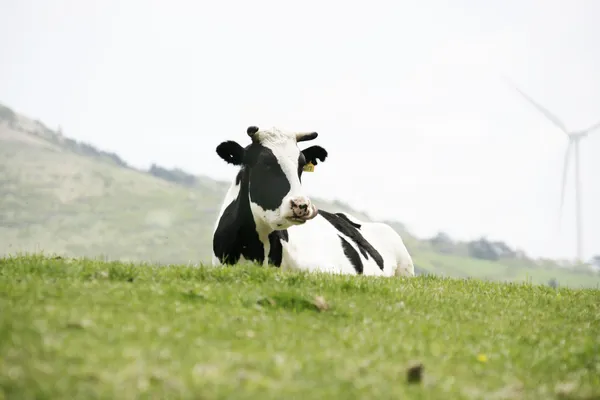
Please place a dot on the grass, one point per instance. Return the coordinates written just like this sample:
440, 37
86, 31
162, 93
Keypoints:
76, 328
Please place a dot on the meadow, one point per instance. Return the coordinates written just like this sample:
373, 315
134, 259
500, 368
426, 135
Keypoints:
88, 329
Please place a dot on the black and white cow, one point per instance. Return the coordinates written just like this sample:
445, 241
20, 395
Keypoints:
266, 217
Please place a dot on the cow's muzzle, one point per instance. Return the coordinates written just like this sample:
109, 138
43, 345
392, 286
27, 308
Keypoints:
302, 210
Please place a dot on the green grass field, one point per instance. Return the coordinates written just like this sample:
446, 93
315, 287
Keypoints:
85, 329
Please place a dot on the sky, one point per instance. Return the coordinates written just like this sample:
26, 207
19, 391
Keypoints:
408, 98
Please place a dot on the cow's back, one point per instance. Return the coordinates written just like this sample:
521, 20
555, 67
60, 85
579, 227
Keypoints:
390, 245
316, 246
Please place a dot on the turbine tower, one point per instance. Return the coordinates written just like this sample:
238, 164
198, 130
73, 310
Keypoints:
575, 138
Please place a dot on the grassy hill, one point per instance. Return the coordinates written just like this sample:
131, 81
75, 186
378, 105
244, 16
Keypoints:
64, 197
82, 329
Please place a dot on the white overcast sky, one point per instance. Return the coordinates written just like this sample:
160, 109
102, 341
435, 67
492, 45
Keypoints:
407, 97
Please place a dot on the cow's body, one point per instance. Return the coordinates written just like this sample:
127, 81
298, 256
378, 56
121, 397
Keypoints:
339, 243
319, 241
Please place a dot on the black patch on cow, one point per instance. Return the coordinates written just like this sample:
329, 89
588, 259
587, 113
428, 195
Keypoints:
268, 183
283, 235
345, 226
352, 255
301, 164
276, 250
236, 231
345, 217
313, 153
231, 152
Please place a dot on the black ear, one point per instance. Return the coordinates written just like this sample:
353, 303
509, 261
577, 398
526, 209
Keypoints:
313, 152
231, 152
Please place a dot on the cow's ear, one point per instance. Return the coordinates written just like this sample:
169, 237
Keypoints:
313, 153
231, 152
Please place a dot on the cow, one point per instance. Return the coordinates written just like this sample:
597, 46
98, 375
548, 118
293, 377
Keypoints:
266, 217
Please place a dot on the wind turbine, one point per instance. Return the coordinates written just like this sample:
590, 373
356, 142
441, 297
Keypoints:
574, 138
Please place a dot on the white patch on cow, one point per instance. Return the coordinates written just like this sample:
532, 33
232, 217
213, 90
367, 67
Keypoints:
267, 247
274, 135
391, 246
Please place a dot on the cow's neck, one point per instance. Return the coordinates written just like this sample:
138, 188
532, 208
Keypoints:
262, 230
249, 237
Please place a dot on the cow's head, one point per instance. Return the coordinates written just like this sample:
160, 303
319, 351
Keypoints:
271, 173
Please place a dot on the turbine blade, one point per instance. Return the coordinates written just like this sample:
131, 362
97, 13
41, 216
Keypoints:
564, 178
540, 108
592, 128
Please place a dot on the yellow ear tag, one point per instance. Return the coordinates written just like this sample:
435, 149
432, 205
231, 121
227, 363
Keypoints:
309, 167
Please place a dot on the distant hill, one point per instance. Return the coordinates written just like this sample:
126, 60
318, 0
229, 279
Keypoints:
62, 196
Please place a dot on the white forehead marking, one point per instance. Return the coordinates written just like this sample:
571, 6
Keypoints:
275, 136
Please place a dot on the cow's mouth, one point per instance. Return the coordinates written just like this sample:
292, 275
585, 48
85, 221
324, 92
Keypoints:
298, 220
302, 219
